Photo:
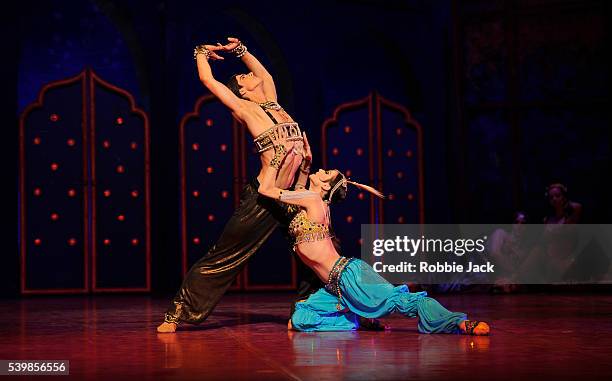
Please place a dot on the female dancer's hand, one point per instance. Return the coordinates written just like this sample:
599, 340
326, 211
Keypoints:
232, 44
279, 141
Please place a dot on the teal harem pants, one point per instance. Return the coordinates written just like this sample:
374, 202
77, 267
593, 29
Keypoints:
366, 293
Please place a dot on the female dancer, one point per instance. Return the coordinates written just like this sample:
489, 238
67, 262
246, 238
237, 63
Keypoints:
252, 100
352, 286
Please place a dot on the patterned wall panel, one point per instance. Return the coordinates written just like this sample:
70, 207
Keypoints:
400, 157
120, 190
347, 144
53, 184
210, 172
82, 137
374, 141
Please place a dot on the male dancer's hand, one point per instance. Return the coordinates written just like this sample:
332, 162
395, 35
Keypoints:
307, 153
213, 49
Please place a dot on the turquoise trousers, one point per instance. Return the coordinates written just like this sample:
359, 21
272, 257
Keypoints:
366, 293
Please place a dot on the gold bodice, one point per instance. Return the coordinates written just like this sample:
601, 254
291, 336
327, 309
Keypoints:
305, 230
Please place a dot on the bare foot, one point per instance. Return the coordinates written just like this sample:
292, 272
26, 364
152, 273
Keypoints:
166, 328
481, 329
289, 325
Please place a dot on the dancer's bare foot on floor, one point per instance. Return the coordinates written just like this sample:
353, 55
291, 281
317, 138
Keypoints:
290, 326
476, 328
166, 328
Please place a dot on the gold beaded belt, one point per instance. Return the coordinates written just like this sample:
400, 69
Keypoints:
290, 130
333, 280
313, 237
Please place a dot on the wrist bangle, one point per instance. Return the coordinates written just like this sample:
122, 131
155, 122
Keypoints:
239, 50
201, 49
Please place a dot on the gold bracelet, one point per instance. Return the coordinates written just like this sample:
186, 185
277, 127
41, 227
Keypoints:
239, 50
201, 49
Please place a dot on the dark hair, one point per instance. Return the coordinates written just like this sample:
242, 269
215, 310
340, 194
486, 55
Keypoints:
232, 84
562, 188
340, 193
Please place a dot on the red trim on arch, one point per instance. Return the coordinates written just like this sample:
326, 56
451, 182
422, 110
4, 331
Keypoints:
93, 80
380, 183
334, 120
22, 174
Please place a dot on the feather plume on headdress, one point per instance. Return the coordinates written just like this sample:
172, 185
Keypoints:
367, 188
345, 181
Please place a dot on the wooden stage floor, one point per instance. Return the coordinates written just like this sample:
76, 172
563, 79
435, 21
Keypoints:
544, 337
